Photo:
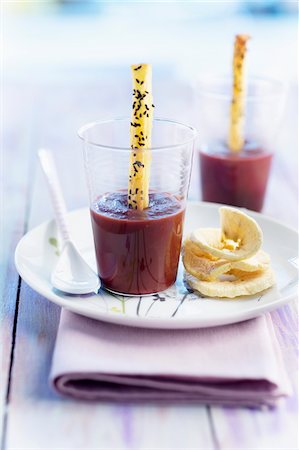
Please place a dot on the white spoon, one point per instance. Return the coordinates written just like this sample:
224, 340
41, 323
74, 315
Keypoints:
71, 274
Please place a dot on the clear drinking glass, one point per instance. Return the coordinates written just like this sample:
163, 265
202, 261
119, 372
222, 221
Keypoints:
238, 179
137, 252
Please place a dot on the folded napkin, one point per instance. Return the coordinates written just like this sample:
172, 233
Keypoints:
233, 365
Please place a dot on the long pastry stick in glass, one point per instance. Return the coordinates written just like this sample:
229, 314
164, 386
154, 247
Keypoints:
237, 110
140, 137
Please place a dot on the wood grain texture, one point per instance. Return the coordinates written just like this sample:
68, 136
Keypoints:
37, 418
18, 127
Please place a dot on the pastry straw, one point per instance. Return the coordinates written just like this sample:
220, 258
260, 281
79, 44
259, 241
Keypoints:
237, 109
140, 134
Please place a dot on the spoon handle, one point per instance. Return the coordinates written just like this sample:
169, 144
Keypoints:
49, 169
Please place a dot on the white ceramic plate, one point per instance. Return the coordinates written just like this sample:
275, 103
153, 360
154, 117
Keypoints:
37, 251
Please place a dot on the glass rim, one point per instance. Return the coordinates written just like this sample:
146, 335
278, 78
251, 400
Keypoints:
205, 87
90, 125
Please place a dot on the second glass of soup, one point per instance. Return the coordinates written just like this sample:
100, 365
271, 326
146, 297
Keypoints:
238, 178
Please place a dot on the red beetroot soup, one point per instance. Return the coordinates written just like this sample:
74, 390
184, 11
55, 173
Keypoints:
137, 252
235, 179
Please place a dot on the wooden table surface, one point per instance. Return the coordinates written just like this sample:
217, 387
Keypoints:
32, 415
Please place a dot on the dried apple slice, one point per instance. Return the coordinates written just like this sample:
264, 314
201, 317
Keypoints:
240, 284
256, 263
204, 268
240, 237
190, 246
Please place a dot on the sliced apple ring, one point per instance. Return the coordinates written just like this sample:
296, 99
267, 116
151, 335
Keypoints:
256, 263
240, 237
190, 246
239, 284
204, 268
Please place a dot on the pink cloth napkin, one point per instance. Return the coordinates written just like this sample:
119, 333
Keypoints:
238, 365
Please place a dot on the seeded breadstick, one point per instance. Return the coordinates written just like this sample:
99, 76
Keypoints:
237, 110
141, 128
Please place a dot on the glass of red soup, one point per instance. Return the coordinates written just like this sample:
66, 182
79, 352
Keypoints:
238, 178
137, 252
